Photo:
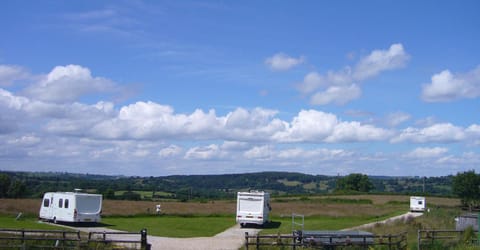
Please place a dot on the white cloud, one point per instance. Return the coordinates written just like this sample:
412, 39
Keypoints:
427, 152
356, 132
67, 84
313, 80
11, 73
259, 152
204, 153
337, 95
396, 118
281, 62
170, 151
25, 140
340, 87
446, 86
317, 126
442, 132
380, 60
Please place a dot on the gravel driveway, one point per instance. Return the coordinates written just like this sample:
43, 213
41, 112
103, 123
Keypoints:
232, 238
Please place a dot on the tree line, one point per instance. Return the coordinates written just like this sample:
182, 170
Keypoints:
188, 187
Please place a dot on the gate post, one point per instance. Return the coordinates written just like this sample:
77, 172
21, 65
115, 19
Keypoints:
143, 239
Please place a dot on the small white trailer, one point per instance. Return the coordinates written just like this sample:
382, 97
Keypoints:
71, 207
417, 204
253, 207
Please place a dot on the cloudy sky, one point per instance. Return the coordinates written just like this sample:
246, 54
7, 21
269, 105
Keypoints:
154, 88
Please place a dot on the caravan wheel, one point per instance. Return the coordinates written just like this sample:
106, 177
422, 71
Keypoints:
54, 220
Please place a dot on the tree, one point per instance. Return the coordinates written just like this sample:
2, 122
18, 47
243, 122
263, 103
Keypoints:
4, 185
354, 182
467, 186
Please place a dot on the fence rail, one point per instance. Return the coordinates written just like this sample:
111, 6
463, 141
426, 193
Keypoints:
397, 241
60, 239
430, 237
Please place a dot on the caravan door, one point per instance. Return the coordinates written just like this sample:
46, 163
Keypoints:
47, 207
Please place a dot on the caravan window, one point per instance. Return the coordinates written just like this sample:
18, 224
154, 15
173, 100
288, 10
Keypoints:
66, 203
60, 202
46, 202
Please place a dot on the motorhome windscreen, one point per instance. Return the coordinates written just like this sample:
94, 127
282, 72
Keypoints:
250, 204
89, 204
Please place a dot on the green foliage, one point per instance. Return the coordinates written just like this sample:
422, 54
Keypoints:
208, 187
467, 186
355, 182
11, 188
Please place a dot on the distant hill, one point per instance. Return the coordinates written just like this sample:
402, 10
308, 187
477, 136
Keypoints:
185, 187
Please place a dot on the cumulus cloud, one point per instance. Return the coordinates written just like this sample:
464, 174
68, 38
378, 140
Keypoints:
380, 60
281, 62
12, 73
68, 84
446, 86
340, 87
317, 126
337, 95
427, 152
442, 132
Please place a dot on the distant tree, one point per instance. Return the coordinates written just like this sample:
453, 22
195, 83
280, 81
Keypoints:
467, 186
4, 185
109, 194
17, 189
354, 182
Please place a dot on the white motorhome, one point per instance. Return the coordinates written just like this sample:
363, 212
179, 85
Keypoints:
417, 204
71, 207
253, 207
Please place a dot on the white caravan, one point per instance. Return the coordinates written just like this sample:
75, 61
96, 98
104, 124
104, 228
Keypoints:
253, 207
71, 207
417, 204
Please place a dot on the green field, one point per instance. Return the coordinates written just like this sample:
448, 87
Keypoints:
283, 225
28, 222
173, 226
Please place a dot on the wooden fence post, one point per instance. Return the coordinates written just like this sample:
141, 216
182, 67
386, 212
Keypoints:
246, 240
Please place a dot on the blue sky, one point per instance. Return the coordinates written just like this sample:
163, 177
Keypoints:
154, 88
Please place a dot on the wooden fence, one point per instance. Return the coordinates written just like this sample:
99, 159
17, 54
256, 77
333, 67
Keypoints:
59, 239
428, 238
391, 242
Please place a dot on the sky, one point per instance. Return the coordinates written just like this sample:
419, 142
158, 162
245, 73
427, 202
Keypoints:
156, 88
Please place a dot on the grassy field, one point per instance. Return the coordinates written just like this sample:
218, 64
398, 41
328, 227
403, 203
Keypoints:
26, 222
173, 226
190, 219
